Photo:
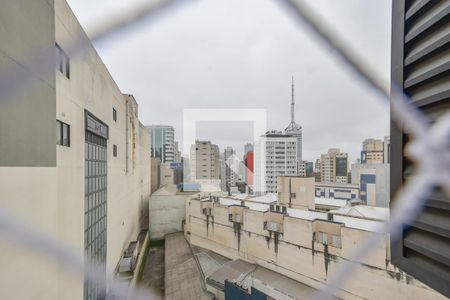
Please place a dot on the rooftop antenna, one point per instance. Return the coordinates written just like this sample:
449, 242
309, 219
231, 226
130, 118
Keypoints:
292, 102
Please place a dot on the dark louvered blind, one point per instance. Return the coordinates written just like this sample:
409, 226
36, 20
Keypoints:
421, 65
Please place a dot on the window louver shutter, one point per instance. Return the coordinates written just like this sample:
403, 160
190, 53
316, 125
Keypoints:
421, 65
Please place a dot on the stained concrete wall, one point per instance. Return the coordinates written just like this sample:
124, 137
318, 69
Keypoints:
297, 256
167, 209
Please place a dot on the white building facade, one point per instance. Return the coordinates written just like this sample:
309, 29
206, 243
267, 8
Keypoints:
275, 155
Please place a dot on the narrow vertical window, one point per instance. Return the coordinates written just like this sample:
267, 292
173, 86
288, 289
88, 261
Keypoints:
62, 134
58, 133
114, 150
62, 61
66, 135
114, 115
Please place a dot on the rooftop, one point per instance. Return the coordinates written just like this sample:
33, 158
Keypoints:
330, 202
364, 211
358, 217
246, 275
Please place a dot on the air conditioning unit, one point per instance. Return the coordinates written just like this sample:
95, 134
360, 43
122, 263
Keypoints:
273, 226
128, 260
207, 211
236, 218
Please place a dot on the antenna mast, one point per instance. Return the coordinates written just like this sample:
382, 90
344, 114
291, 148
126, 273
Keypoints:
292, 102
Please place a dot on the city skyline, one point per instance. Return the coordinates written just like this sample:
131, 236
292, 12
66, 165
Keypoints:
224, 69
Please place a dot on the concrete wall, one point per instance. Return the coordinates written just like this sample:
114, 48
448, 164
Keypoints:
297, 256
51, 199
302, 189
27, 138
27, 83
166, 212
155, 173
381, 197
166, 175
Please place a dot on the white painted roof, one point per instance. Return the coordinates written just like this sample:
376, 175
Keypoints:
268, 198
166, 190
228, 201
239, 196
257, 206
364, 211
331, 202
306, 214
349, 221
358, 223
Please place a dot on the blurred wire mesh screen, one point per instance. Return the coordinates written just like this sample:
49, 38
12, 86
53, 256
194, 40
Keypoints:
420, 133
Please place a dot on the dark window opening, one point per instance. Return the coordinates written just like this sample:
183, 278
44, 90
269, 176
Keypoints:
115, 150
62, 61
62, 134
114, 115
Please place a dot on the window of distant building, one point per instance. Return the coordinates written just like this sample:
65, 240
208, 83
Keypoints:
322, 237
62, 61
114, 115
62, 134
115, 150
336, 240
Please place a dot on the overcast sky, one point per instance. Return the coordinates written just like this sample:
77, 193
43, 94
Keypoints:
242, 54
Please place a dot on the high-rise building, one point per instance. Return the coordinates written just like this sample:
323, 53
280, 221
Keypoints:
301, 168
275, 155
309, 168
334, 166
317, 165
205, 164
84, 189
373, 180
163, 142
317, 171
293, 129
248, 162
387, 150
177, 153
229, 169
372, 151
305, 168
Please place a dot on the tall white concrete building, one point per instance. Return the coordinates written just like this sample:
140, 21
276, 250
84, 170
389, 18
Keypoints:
163, 143
205, 164
86, 188
334, 166
275, 155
